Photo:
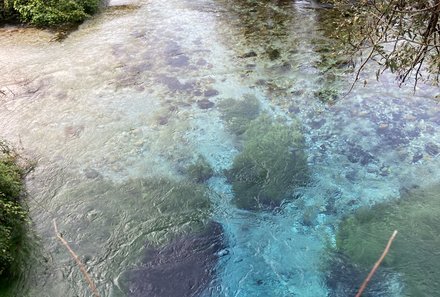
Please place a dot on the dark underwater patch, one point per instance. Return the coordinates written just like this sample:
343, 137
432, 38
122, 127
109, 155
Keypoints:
344, 279
174, 85
357, 154
182, 268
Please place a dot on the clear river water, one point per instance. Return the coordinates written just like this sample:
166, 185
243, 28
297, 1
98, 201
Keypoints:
116, 114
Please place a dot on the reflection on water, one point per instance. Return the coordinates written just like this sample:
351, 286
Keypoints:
136, 119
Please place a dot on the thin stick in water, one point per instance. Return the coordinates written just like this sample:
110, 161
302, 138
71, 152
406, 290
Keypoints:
376, 265
78, 261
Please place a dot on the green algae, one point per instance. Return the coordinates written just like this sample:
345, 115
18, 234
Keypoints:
200, 171
237, 114
270, 166
414, 253
158, 207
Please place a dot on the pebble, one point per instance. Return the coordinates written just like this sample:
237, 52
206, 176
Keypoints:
211, 93
432, 149
205, 104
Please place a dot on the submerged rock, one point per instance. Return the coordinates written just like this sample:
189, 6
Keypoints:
179, 61
182, 268
249, 55
355, 154
432, 149
211, 93
273, 54
417, 157
205, 104
174, 85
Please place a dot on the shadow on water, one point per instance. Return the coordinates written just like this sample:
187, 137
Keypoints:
182, 268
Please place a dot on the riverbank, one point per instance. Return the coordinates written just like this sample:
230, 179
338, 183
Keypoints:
13, 216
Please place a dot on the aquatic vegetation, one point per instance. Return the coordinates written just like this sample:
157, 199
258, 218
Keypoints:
166, 202
237, 114
363, 236
200, 171
161, 207
327, 95
271, 164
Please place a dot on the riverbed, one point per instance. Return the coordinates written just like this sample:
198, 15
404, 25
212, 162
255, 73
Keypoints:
116, 112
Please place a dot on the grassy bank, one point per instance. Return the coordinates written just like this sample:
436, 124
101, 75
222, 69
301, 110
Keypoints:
47, 13
12, 213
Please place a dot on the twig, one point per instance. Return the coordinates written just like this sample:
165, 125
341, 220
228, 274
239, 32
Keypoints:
376, 265
77, 260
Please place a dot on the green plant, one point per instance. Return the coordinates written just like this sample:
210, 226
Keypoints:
200, 171
414, 253
55, 12
10, 178
271, 165
12, 219
12, 214
237, 114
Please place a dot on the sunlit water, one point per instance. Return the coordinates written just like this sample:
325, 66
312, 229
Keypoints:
119, 105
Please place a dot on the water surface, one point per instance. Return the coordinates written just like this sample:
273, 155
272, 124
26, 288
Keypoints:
115, 113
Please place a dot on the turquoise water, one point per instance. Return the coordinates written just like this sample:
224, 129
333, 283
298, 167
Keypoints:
116, 113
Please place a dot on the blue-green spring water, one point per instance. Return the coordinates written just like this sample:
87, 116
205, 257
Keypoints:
117, 112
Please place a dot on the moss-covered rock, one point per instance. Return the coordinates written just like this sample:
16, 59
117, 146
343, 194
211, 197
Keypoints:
271, 164
414, 253
200, 171
237, 114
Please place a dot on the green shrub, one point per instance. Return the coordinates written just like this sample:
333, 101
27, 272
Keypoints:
12, 215
7, 11
55, 12
414, 253
271, 164
237, 114
12, 220
10, 178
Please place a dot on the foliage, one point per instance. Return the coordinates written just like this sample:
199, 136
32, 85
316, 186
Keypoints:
12, 215
271, 165
51, 12
237, 114
7, 11
400, 35
364, 235
200, 171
